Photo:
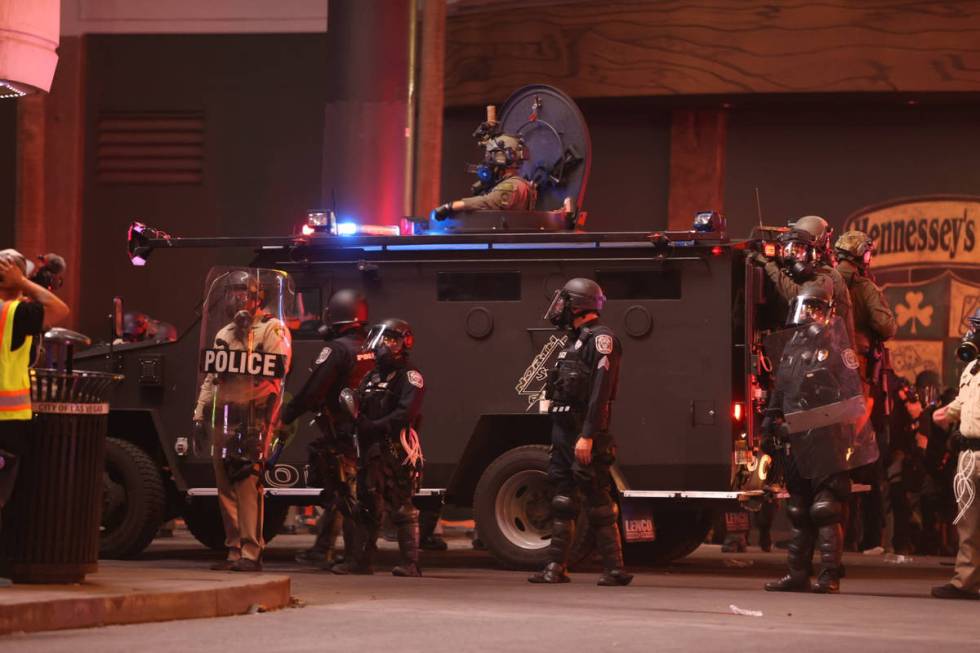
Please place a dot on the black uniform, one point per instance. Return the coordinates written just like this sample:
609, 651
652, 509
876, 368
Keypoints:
814, 463
333, 459
582, 388
390, 412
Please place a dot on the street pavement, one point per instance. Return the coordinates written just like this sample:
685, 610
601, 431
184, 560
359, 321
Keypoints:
467, 603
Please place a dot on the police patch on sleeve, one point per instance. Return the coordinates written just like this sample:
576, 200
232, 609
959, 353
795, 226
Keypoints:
850, 359
324, 355
604, 344
415, 378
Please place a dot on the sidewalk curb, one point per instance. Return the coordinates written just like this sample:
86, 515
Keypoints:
270, 592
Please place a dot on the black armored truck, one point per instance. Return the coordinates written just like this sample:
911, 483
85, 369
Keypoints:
687, 306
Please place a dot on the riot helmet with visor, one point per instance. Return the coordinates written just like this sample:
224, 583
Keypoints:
578, 297
812, 305
390, 340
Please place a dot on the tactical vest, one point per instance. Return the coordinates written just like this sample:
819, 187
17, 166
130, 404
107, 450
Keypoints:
571, 379
15, 377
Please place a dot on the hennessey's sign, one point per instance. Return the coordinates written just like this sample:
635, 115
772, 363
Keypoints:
940, 230
248, 363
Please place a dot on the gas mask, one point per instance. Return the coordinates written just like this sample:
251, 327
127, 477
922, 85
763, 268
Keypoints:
969, 347
797, 259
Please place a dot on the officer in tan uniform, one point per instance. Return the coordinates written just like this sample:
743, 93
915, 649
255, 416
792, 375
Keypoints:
241, 410
966, 410
508, 190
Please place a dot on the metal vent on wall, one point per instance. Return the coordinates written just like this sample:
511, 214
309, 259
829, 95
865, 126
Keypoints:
150, 147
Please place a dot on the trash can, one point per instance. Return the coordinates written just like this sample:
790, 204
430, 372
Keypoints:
50, 529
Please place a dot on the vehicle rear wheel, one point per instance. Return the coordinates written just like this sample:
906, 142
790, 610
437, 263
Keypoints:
134, 500
512, 507
679, 533
203, 518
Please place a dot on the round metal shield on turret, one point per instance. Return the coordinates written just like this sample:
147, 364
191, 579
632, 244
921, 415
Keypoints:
558, 141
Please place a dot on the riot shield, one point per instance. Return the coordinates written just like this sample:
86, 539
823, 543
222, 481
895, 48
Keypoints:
245, 355
819, 392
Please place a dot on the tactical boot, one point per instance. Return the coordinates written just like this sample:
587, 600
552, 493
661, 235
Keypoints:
410, 570
351, 568
950, 591
614, 578
828, 582
831, 541
611, 551
315, 557
407, 525
794, 581
553, 573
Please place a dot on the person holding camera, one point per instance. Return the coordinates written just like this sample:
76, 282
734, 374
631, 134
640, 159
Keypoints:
20, 323
965, 409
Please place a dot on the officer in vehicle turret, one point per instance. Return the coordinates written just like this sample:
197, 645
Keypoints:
501, 186
817, 428
804, 255
581, 389
333, 458
388, 415
241, 411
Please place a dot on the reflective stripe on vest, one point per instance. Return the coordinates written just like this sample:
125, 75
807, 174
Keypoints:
15, 378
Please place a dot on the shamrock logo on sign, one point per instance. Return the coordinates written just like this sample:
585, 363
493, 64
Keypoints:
913, 311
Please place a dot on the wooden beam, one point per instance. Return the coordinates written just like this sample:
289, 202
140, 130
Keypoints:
697, 164
50, 165
633, 48
428, 146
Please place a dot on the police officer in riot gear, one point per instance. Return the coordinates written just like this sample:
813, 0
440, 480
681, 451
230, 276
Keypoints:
333, 458
874, 323
817, 428
249, 407
389, 413
804, 255
581, 389
501, 186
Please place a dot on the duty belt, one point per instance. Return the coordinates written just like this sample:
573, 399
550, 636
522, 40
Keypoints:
969, 444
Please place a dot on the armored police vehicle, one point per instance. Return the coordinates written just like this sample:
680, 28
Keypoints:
475, 289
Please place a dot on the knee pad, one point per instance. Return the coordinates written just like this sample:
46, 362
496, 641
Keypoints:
564, 506
405, 515
604, 515
796, 511
826, 510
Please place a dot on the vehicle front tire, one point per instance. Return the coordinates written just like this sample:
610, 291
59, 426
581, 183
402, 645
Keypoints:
203, 518
134, 500
512, 508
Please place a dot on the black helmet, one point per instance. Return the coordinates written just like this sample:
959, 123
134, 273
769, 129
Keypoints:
505, 151
346, 306
390, 328
577, 297
820, 231
812, 304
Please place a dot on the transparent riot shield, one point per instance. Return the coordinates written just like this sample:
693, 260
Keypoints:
819, 392
245, 355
